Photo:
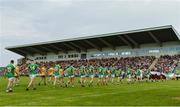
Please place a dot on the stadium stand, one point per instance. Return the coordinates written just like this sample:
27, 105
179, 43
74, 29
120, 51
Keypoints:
156, 48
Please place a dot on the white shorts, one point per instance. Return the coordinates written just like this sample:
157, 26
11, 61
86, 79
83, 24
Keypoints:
106, 76
112, 75
121, 77
129, 76
32, 76
141, 75
100, 76
11, 79
91, 76
57, 76
83, 76
72, 76
147, 76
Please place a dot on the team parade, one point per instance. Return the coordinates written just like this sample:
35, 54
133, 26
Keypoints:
55, 75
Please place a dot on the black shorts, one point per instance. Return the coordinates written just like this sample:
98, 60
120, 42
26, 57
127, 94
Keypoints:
51, 75
16, 76
43, 76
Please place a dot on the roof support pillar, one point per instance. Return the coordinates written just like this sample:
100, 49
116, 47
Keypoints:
73, 48
57, 49
22, 51
125, 41
93, 45
37, 51
80, 47
131, 40
155, 39
47, 49
107, 43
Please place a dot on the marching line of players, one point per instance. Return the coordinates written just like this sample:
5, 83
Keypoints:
57, 73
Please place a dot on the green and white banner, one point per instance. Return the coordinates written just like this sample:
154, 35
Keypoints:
170, 75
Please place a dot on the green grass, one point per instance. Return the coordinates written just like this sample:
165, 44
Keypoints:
149, 94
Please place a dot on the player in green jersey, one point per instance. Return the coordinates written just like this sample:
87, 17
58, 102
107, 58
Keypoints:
147, 74
120, 74
10, 69
133, 75
129, 75
70, 71
112, 72
33, 72
139, 74
82, 73
105, 71
100, 75
91, 74
56, 74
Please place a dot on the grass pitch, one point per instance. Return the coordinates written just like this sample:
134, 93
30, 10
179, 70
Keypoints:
139, 94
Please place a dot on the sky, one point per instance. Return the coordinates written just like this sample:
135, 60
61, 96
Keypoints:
32, 21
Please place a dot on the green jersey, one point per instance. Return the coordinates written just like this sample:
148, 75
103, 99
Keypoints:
100, 70
112, 69
82, 70
105, 71
90, 70
56, 70
70, 70
147, 73
119, 72
32, 68
138, 72
10, 70
128, 72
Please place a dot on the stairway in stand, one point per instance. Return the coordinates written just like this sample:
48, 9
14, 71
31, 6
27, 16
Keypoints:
153, 64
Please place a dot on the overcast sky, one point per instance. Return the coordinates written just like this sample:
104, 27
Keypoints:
31, 21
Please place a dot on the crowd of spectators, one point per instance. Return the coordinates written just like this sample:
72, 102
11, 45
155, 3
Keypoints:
130, 62
167, 63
